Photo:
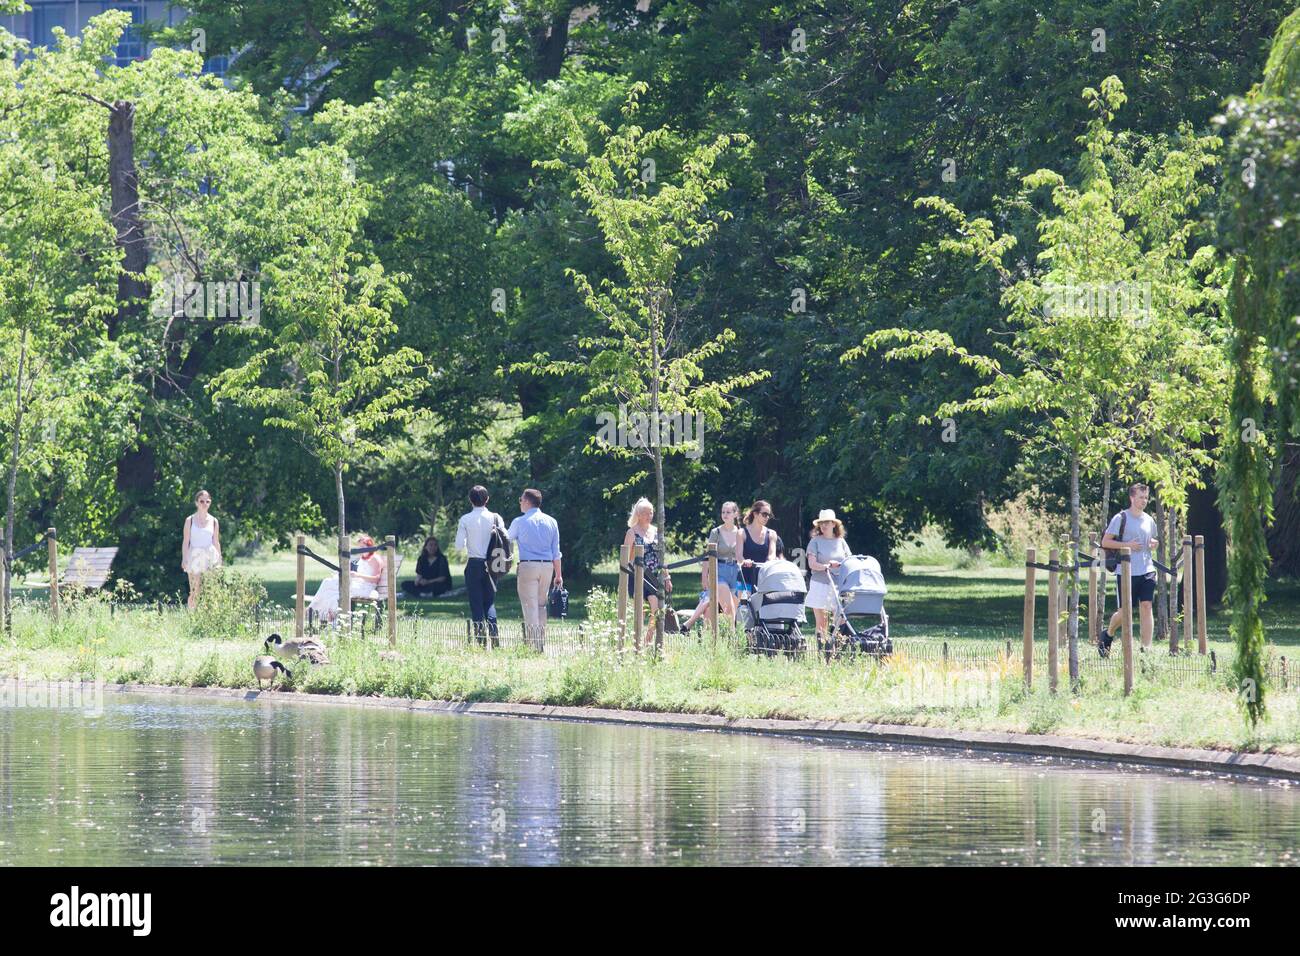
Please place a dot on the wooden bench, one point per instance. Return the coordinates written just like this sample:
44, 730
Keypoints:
87, 568
376, 603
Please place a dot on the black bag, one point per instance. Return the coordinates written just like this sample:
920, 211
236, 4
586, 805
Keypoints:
558, 603
1112, 554
500, 551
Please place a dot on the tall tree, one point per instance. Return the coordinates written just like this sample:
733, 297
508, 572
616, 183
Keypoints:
642, 360
1261, 223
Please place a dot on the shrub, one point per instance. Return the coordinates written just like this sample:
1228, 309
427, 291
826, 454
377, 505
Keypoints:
227, 605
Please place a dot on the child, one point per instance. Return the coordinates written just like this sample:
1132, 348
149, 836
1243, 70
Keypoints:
703, 607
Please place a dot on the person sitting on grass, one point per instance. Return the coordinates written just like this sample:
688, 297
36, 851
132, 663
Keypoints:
432, 573
1135, 530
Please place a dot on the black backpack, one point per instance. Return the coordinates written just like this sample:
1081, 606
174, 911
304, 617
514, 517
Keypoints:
500, 551
1112, 554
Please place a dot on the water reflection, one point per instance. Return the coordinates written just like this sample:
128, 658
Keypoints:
161, 780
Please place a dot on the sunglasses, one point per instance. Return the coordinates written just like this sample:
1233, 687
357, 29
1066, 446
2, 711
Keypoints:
765, 514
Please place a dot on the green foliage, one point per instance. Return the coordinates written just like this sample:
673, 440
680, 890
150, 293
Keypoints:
1260, 222
227, 606
1145, 383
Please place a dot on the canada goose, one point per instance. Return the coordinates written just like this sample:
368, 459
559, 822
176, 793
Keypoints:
302, 647
264, 668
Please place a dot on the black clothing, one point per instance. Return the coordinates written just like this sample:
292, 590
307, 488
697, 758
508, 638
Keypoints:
429, 568
755, 552
482, 598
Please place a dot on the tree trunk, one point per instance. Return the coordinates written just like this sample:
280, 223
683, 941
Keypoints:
11, 478
1101, 525
132, 289
1162, 585
139, 544
1072, 624
655, 431
1284, 533
345, 570
1205, 518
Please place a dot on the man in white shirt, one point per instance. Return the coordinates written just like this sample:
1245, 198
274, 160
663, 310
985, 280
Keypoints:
1133, 529
474, 537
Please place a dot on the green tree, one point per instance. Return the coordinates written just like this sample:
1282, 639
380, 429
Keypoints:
1115, 281
642, 359
324, 368
1261, 222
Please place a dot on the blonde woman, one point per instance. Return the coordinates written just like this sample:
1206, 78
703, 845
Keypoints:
200, 545
641, 531
827, 549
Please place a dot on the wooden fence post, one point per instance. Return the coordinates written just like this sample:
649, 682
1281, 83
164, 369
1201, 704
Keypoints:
300, 598
54, 574
1031, 581
638, 594
1053, 617
345, 581
713, 590
624, 561
390, 556
1202, 612
1189, 604
1126, 598
1094, 555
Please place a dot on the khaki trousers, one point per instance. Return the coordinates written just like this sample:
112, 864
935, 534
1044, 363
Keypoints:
534, 584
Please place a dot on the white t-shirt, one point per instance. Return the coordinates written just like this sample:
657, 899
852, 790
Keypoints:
1138, 533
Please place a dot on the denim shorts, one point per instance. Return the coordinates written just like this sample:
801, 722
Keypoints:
728, 574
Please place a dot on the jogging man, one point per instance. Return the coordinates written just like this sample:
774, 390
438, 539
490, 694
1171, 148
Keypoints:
1134, 529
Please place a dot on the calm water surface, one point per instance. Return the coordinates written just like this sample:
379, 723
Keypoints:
157, 779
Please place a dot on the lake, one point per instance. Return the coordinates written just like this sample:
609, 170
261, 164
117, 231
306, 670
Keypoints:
158, 779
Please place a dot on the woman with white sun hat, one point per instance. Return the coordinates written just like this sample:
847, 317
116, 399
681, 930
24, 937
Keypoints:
827, 547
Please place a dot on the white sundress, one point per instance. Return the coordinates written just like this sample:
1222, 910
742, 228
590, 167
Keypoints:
203, 556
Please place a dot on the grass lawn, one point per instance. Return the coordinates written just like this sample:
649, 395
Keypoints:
966, 612
935, 601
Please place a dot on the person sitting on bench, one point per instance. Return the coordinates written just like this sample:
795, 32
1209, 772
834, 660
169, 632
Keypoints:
432, 574
366, 571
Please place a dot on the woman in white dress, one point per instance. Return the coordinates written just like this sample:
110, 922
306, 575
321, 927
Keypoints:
363, 582
200, 545
827, 549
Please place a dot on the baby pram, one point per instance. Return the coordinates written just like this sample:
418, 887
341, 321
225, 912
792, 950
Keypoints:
859, 589
774, 610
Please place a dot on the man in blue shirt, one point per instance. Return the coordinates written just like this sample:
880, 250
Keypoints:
537, 537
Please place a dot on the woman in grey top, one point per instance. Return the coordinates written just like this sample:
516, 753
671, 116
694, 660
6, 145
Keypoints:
827, 548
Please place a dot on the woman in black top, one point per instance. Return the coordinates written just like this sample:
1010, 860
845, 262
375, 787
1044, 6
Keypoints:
432, 575
757, 543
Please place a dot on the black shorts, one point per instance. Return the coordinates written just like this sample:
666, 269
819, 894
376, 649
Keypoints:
1144, 588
